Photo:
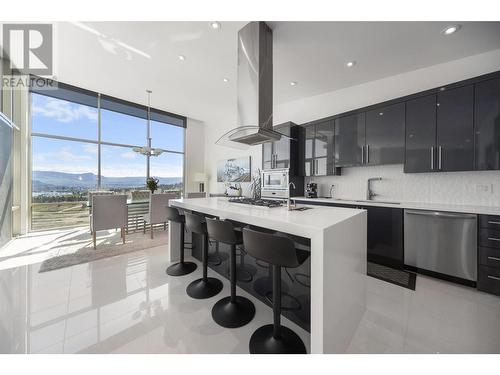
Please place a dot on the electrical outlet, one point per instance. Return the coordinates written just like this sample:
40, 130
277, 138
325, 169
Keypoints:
484, 188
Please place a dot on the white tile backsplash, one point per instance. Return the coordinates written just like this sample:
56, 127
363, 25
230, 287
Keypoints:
444, 187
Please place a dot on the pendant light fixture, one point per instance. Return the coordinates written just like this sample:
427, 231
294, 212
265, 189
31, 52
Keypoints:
148, 150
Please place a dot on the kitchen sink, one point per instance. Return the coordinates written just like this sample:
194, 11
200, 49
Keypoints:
301, 208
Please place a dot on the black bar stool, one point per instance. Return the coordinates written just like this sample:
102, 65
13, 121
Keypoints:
278, 252
181, 268
205, 287
234, 311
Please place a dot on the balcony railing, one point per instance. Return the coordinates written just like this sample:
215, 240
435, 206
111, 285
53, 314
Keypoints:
47, 216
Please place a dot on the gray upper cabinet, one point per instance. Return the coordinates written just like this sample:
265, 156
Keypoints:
319, 149
439, 132
288, 152
350, 140
487, 125
324, 146
385, 135
276, 155
309, 147
446, 129
420, 155
455, 129
267, 156
281, 148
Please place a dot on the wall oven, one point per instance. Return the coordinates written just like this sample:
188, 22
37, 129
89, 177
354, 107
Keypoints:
274, 183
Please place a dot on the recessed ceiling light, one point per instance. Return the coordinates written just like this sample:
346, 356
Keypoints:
350, 64
293, 83
448, 30
182, 57
215, 25
226, 80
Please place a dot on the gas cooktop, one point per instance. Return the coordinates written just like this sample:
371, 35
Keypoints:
270, 203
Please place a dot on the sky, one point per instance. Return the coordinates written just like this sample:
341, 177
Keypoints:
59, 117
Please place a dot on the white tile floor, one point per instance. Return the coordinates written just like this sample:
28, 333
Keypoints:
127, 304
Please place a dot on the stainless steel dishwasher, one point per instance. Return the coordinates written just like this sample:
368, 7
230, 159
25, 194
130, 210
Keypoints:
442, 242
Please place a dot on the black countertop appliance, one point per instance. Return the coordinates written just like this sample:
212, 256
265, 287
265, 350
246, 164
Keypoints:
312, 190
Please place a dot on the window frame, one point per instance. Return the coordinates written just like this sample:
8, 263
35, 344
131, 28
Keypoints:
98, 141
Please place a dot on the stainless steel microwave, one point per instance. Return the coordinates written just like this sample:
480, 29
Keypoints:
274, 183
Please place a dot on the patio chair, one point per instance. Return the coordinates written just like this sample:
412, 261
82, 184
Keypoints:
108, 212
157, 212
91, 194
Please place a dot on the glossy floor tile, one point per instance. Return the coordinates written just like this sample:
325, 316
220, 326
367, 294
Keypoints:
127, 304
438, 317
124, 304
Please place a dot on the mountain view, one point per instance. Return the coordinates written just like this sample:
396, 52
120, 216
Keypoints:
46, 181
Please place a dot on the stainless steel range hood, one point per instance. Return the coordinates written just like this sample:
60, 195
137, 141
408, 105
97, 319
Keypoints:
255, 89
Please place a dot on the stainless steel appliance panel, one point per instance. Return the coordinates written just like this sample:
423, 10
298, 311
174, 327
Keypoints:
274, 183
442, 242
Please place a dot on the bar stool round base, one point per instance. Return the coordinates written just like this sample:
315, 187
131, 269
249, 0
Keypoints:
263, 342
201, 289
233, 314
180, 269
214, 260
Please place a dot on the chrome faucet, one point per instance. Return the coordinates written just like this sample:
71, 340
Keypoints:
331, 190
369, 192
288, 203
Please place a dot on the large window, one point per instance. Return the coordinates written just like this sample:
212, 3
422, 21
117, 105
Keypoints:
63, 118
83, 141
63, 172
124, 129
123, 170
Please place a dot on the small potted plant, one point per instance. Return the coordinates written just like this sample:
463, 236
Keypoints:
152, 184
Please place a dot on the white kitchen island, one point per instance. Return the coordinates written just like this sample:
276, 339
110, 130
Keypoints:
338, 260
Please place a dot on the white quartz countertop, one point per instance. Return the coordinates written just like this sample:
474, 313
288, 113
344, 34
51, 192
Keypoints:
301, 223
483, 210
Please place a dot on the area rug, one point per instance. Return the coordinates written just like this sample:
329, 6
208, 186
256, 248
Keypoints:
77, 247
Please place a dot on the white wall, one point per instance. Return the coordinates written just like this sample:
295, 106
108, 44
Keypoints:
215, 153
195, 153
457, 188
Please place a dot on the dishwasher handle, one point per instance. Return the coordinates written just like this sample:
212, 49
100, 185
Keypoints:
442, 214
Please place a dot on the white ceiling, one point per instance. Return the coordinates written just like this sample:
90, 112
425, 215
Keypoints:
126, 58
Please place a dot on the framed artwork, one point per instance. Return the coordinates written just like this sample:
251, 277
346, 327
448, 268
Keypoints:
234, 170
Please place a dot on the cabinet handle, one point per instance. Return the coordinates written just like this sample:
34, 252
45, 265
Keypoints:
494, 278
440, 149
432, 158
367, 154
493, 258
494, 222
441, 214
494, 239
363, 155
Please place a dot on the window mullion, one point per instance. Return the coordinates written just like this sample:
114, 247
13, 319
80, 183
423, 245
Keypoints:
98, 141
